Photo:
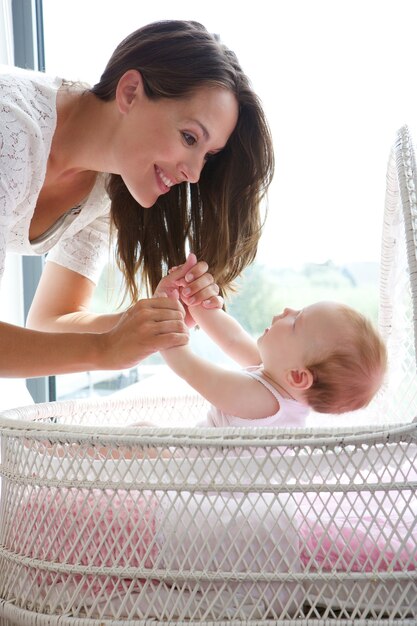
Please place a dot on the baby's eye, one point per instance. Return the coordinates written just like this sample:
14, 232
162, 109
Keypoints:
189, 139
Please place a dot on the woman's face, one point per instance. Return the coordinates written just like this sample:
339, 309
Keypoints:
160, 143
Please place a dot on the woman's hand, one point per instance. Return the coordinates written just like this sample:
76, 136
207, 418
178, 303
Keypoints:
148, 326
73, 339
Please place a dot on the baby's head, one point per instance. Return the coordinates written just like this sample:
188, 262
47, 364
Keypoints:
327, 354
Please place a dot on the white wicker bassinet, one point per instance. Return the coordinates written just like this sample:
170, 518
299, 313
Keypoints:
103, 524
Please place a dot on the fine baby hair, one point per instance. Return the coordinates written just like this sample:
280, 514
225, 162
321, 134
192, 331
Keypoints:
347, 377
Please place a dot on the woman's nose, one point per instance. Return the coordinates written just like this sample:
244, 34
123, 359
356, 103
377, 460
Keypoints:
191, 170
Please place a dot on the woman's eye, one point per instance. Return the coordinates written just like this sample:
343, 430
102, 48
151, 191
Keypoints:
189, 139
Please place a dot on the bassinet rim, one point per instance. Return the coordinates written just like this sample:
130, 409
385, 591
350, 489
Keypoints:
60, 620
27, 421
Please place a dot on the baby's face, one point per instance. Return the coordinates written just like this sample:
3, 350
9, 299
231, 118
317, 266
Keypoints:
298, 337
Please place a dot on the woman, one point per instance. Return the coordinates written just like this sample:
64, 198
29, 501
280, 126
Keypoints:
175, 140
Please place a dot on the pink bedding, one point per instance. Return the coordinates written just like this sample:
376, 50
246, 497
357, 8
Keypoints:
78, 526
356, 531
363, 530
359, 532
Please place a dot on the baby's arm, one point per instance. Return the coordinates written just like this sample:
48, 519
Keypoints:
228, 334
234, 393
223, 329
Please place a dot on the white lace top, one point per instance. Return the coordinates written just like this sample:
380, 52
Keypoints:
27, 124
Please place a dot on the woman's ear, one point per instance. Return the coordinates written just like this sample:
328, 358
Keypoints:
301, 379
129, 87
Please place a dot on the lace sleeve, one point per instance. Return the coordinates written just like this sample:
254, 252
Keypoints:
85, 252
27, 123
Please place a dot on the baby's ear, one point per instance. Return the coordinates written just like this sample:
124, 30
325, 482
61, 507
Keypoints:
301, 379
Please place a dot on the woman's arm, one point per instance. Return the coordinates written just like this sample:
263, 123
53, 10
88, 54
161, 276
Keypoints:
64, 337
147, 327
28, 353
61, 303
62, 299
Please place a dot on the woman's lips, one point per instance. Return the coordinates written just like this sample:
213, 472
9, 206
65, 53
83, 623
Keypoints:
164, 182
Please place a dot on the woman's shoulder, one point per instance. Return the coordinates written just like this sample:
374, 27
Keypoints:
27, 123
16, 74
32, 93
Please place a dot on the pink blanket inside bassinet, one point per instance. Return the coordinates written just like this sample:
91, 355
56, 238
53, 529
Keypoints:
348, 533
358, 532
362, 530
88, 527
347, 529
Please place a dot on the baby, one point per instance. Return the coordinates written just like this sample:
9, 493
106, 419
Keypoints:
325, 356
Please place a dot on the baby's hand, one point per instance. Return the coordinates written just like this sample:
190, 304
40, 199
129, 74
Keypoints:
193, 285
197, 286
170, 284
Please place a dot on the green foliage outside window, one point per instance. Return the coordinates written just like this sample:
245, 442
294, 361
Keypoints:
263, 292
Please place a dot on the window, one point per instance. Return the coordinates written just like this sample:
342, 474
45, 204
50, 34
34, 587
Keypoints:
20, 33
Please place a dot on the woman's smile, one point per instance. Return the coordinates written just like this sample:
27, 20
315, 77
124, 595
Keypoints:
164, 182
164, 142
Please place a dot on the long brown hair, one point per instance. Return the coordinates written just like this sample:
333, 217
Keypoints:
219, 217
